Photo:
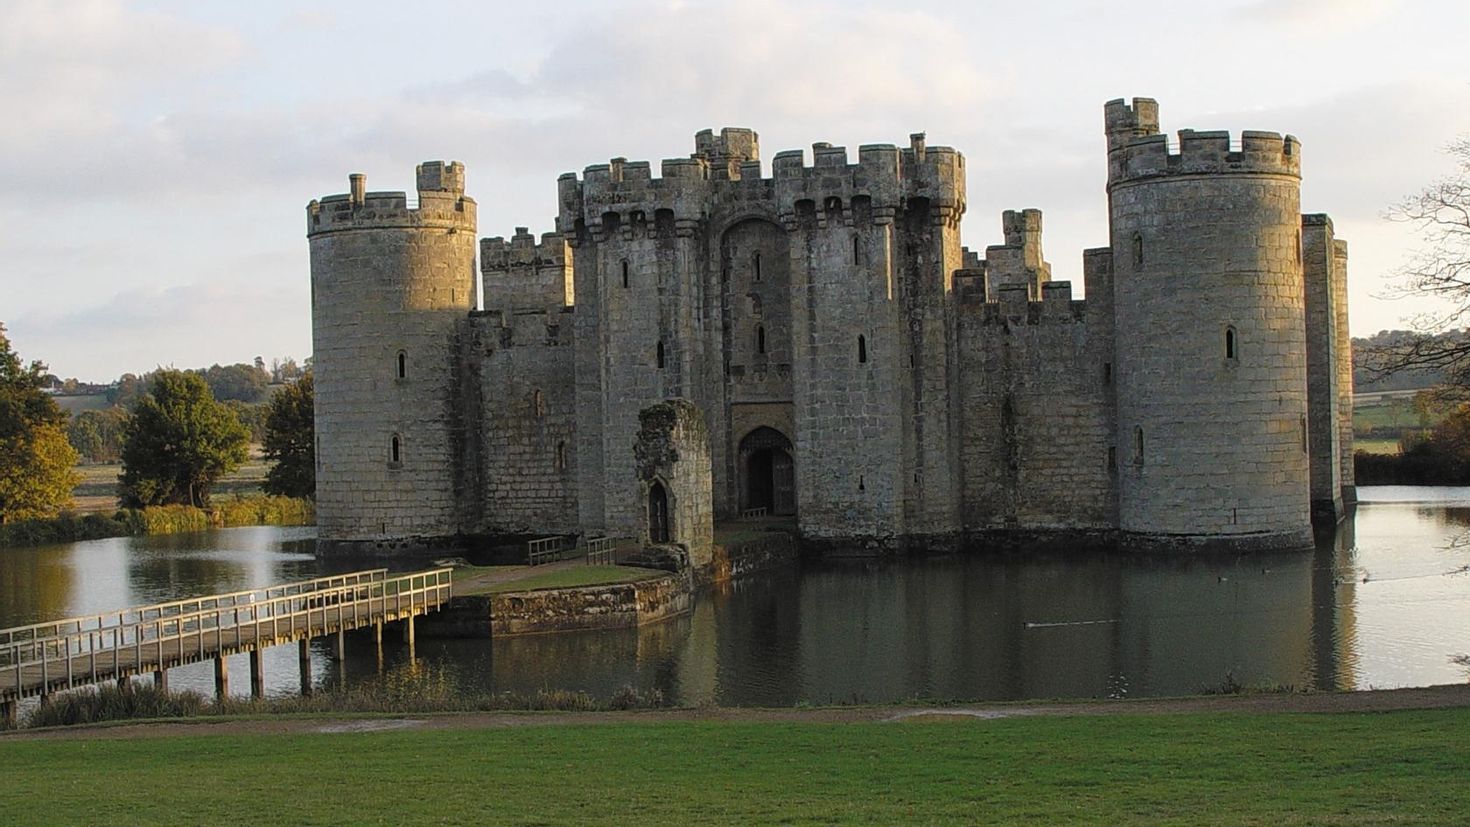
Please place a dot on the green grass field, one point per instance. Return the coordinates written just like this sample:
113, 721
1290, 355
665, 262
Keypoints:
1376, 446
1261, 769
97, 491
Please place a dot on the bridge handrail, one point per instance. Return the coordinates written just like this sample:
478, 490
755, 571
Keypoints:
71, 625
376, 592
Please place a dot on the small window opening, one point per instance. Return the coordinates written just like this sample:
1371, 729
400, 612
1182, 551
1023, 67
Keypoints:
625, 272
538, 402
857, 249
402, 365
1230, 348
1112, 458
659, 355
756, 261
1138, 445
561, 456
395, 451
1107, 373
861, 484
862, 349
1304, 434
1137, 249
760, 339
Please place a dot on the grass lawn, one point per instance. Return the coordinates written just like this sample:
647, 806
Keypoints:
1376, 446
566, 578
1265, 769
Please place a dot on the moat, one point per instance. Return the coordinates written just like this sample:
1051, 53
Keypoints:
1379, 605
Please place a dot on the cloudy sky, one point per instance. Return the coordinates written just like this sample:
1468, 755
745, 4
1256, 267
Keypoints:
155, 158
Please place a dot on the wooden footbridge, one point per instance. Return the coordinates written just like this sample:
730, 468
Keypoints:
64, 654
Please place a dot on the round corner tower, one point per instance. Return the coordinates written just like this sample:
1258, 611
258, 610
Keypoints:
390, 285
1211, 353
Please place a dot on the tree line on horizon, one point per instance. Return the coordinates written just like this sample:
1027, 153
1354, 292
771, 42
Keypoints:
174, 437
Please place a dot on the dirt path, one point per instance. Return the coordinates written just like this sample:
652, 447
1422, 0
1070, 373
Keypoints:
1434, 697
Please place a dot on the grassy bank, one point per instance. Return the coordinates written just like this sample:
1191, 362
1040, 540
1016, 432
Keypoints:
1277, 769
167, 519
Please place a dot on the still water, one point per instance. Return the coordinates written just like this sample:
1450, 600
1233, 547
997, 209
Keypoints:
1385, 603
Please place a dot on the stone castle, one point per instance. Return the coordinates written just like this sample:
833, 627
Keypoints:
853, 364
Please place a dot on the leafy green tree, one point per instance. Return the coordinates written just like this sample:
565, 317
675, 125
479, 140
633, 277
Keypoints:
251, 416
129, 388
98, 435
178, 442
36, 476
246, 383
290, 440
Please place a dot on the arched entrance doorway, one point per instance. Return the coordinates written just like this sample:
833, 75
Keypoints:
658, 513
768, 473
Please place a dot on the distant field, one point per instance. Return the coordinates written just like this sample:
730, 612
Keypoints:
97, 491
77, 404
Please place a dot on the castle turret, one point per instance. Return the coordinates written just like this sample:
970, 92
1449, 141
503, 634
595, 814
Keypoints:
1211, 342
391, 283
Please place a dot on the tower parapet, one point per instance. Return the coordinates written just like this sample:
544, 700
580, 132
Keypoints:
523, 274
442, 204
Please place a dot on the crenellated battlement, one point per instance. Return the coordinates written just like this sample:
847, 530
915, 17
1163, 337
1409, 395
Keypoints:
522, 250
1137, 150
442, 204
1013, 304
729, 165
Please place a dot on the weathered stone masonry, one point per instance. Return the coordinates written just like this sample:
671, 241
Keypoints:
852, 363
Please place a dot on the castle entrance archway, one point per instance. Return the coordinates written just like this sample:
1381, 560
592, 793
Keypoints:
658, 513
768, 472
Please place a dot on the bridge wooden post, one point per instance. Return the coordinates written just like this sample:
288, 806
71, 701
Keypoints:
378, 639
160, 680
257, 673
408, 636
303, 656
341, 653
8, 717
221, 677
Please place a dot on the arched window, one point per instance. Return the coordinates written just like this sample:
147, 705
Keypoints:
756, 263
862, 486
402, 365
1138, 249
760, 338
1231, 351
538, 402
857, 249
862, 349
395, 450
561, 456
659, 355
1137, 445
625, 272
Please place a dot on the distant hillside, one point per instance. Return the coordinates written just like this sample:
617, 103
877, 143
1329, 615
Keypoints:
1366, 381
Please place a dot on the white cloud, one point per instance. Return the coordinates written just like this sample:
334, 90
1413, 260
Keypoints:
1319, 17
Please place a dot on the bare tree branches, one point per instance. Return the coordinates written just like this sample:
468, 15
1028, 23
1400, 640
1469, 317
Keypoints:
1441, 213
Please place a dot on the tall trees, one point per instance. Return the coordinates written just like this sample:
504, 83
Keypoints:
290, 440
178, 442
36, 477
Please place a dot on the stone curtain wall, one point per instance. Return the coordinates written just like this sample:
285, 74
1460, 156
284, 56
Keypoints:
390, 280
1036, 428
529, 429
1344, 356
